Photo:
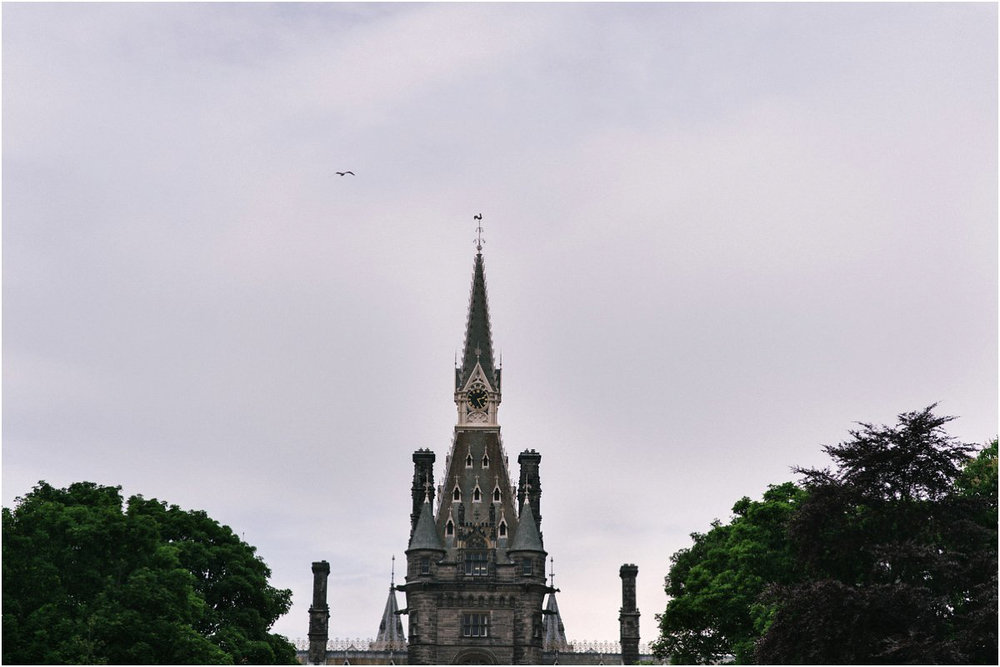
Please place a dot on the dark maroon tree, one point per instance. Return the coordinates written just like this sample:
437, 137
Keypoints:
900, 561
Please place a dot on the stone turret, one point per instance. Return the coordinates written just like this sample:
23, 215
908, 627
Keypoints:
628, 617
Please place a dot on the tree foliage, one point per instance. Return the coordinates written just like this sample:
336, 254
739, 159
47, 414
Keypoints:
88, 581
889, 556
714, 613
898, 561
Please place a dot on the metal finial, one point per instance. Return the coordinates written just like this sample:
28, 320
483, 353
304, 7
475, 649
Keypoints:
392, 577
552, 572
479, 231
427, 489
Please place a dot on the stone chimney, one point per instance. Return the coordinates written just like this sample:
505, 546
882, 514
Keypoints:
628, 617
423, 483
530, 483
319, 615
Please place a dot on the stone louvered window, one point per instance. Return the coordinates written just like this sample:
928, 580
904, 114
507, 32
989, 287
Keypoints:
475, 625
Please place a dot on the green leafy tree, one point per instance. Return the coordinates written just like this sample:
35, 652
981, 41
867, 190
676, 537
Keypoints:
88, 581
898, 558
714, 613
979, 480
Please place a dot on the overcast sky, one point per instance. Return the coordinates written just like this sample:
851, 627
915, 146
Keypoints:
717, 236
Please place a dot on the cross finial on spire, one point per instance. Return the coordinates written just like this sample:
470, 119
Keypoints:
392, 577
479, 231
552, 572
427, 491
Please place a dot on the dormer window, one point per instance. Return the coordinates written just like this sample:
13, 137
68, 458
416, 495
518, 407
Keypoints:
496, 493
486, 461
449, 528
502, 529
477, 495
468, 461
456, 495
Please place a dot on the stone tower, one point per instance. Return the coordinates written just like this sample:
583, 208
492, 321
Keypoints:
475, 577
319, 614
628, 618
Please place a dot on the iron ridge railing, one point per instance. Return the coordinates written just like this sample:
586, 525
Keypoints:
358, 644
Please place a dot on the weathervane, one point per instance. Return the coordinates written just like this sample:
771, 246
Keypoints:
479, 231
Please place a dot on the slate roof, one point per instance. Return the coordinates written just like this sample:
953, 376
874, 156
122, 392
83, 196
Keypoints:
390, 630
425, 535
555, 632
527, 537
477, 333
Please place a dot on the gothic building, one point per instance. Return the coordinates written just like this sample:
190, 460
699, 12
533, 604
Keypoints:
475, 577
475, 582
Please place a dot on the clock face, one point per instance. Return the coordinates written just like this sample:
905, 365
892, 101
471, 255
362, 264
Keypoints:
477, 398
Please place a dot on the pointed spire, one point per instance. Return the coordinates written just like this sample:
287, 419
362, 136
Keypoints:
425, 535
478, 339
554, 638
527, 537
390, 629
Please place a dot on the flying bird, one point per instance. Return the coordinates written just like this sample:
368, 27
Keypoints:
341, 173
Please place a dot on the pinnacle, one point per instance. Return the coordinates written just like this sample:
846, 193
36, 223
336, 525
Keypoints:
478, 346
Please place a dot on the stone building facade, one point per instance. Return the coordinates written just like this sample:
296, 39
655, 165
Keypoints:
475, 576
475, 581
